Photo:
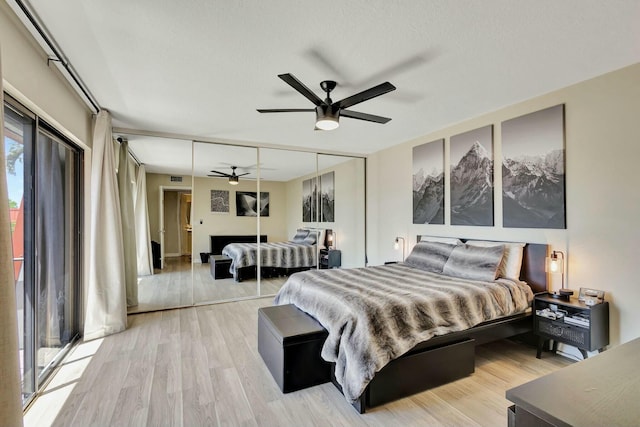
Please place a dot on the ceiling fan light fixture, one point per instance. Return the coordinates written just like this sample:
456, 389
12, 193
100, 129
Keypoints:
326, 118
233, 180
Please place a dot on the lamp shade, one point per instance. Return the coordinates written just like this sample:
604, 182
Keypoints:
326, 118
555, 263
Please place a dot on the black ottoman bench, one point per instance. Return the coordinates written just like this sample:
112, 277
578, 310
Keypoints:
219, 265
290, 342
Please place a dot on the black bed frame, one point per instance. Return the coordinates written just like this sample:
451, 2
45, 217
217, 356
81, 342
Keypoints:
449, 357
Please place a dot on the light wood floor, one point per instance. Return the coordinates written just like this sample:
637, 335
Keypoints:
199, 366
175, 286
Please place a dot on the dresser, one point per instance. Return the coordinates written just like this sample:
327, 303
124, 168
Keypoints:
600, 391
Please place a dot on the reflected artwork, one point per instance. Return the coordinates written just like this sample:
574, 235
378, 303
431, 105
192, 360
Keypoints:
219, 201
327, 194
247, 203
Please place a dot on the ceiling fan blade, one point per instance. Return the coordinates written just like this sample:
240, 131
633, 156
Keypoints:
365, 95
220, 174
285, 110
242, 174
300, 87
364, 116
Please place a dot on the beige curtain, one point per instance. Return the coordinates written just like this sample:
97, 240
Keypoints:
10, 389
143, 234
125, 191
106, 304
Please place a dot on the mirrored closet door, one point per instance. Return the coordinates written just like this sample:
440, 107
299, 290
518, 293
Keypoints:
203, 196
341, 208
164, 173
282, 174
226, 206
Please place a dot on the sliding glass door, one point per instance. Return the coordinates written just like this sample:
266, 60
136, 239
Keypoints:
43, 178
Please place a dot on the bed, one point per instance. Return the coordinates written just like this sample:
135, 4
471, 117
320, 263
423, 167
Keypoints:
390, 332
276, 258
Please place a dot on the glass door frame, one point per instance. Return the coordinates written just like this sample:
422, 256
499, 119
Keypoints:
31, 380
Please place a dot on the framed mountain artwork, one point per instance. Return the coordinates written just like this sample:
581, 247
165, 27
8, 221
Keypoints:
533, 170
327, 197
471, 177
428, 183
309, 200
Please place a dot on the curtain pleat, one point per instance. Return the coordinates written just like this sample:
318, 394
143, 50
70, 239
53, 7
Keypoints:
10, 389
128, 225
143, 233
106, 304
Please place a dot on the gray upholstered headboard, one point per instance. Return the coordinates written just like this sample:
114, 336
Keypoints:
533, 265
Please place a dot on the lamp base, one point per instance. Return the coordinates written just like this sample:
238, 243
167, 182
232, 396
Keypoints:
566, 292
563, 294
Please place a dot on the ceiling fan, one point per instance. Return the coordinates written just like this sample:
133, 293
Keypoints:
328, 112
233, 178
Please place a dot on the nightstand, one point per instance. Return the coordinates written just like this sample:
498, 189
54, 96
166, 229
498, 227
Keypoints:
330, 258
570, 322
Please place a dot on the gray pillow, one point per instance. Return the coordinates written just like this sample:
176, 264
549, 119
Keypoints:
301, 233
430, 256
474, 262
311, 239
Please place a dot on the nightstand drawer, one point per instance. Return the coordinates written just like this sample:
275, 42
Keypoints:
573, 335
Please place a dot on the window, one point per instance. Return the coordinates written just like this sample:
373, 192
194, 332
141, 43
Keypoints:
44, 183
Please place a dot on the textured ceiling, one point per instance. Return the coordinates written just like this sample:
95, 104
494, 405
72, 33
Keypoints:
202, 67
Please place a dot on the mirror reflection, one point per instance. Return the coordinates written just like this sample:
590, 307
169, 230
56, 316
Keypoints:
167, 163
287, 250
231, 222
341, 205
225, 211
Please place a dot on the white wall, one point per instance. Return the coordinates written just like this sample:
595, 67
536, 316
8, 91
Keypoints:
602, 125
28, 78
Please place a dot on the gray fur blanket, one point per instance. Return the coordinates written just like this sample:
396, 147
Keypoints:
274, 254
376, 314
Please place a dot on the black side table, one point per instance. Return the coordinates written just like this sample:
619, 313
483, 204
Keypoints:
330, 258
570, 322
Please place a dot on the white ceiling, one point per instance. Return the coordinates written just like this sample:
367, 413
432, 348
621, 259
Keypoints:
202, 67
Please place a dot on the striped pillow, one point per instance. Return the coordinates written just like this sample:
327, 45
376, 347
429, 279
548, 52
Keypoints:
474, 262
511, 263
301, 233
430, 256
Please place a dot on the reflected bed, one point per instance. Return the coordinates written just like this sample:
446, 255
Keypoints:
276, 258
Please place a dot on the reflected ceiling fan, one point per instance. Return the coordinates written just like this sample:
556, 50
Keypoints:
233, 178
328, 113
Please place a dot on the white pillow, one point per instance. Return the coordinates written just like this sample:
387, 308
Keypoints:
447, 240
322, 236
511, 263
